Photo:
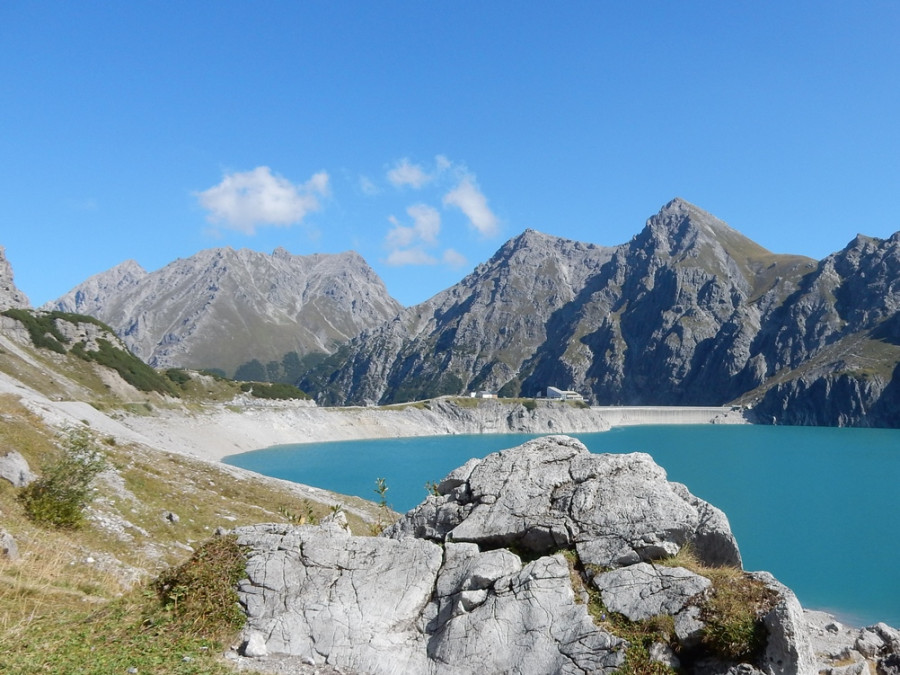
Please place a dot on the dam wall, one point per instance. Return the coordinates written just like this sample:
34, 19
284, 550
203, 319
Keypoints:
626, 416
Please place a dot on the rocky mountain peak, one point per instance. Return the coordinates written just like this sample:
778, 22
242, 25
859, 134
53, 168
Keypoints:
680, 226
267, 305
10, 296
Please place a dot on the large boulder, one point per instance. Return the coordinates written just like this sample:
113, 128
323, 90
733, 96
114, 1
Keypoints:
553, 493
15, 469
377, 605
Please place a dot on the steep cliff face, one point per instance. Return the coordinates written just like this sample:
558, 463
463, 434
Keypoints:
10, 296
689, 312
475, 334
221, 308
672, 317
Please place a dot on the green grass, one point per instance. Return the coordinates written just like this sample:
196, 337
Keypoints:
80, 601
732, 611
180, 629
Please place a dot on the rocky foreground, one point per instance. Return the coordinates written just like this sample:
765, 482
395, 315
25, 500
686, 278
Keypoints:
540, 559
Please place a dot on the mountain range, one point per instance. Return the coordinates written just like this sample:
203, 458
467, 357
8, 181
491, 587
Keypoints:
689, 312
222, 309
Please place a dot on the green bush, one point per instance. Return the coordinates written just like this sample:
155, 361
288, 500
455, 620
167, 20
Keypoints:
178, 376
59, 497
134, 371
202, 592
41, 329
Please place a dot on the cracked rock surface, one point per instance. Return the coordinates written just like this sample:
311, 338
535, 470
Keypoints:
552, 493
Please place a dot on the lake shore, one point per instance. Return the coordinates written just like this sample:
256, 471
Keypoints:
229, 430
245, 424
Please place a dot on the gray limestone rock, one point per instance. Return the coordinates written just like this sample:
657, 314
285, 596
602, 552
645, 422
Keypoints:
643, 590
552, 493
8, 547
379, 605
356, 602
255, 645
858, 668
10, 296
889, 665
528, 622
788, 647
662, 653
441, 593
15, 469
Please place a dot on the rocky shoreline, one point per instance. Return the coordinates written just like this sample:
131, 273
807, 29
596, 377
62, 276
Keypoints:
518, 564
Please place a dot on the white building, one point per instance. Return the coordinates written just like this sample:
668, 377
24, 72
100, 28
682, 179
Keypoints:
563, 395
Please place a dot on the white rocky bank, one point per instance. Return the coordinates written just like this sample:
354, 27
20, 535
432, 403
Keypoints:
251, 424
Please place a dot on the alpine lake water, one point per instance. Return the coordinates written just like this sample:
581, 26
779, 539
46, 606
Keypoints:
817, 507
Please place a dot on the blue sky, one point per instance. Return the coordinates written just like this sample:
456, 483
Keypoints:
425, 134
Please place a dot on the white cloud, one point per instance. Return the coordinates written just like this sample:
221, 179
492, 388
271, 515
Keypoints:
442, 163
426, 222
407, 244
410, 256
454, 258
468, 198
425, 229
244, 201
368, 187
405, 173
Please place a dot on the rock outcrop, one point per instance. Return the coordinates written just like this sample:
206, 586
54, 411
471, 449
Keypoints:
10, 296
15, 469
539, 559
552, 493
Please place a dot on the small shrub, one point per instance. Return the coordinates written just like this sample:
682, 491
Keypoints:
529, 404
202, 593
134, 371
178, 376
383, 521
308, 517
60, 496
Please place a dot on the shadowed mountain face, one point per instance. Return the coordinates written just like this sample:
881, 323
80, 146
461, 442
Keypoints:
689, 312
222, 308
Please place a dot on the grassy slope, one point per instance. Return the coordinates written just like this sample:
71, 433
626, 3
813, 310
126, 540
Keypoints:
79, 601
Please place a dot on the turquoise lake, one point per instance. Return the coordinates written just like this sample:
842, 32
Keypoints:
818, 507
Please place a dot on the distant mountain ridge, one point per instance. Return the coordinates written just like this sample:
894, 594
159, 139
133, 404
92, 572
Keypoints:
689, 312
221, 308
